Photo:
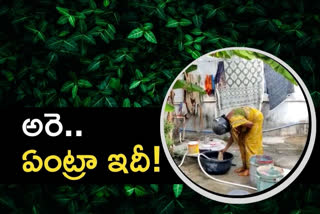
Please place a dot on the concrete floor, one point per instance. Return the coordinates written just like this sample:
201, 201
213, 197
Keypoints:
285, 152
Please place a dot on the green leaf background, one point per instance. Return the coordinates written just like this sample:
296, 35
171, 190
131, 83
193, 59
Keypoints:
46, 44
80, 54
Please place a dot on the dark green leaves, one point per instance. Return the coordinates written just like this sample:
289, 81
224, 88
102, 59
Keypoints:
67, 86
66, 16
115, 49
106, 3
95, 65
143, 31
126, 103
115, 84
63, 11
136, 33
138, 190
177, 189
84, 83
191, 68
172, 23
307, 63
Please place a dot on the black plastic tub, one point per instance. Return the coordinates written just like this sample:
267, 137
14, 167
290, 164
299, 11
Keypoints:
213, 165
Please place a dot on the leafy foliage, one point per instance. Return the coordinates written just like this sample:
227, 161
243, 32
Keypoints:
138, 198
50, 45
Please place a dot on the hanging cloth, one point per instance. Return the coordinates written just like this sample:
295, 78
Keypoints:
220, 78
244, 84
277, 87
208, 84
212, 84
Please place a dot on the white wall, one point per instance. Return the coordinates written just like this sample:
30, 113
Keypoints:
292, 110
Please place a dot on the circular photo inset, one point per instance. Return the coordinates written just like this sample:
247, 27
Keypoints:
238, 125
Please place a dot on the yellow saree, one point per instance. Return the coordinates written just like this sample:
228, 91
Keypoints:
249, 140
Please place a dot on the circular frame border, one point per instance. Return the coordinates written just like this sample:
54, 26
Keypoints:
287, 181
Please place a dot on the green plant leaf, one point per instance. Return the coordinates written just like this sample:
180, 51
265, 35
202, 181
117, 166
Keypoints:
67, 86
74, 91
72, 21
169, 108
194, 53
134, 84
82, 83
154, 187
126, 103
63, 11
136, 33
172, 23
191, 68
147, 26
115, 84
136, 105
139, 75
150, 37
140, 191
185, 22
94, 66
129, 190
307, 63
106, 3
177, 189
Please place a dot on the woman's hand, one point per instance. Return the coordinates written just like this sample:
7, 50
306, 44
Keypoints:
224, 150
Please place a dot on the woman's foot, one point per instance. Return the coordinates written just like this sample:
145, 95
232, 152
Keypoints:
244, 173
241, 169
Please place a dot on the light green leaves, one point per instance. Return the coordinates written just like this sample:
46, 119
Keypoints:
144, 31
63, 11
106, 34
150, 37
72, 21
95, 65
67, 86
172, 23
169, 108
135, 84
115, 84
106, 3
38, 35
136, 33
74, 87
188, 86
84, 83
74, 91
138, 190
66, 16
194, 53
191, 68
126, 103
177, 189
193, 45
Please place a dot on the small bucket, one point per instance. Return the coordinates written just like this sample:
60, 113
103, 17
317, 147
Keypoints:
255, 162
193, 147
267, 176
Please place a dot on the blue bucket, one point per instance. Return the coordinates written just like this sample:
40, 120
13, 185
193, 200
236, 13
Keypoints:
267, 176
